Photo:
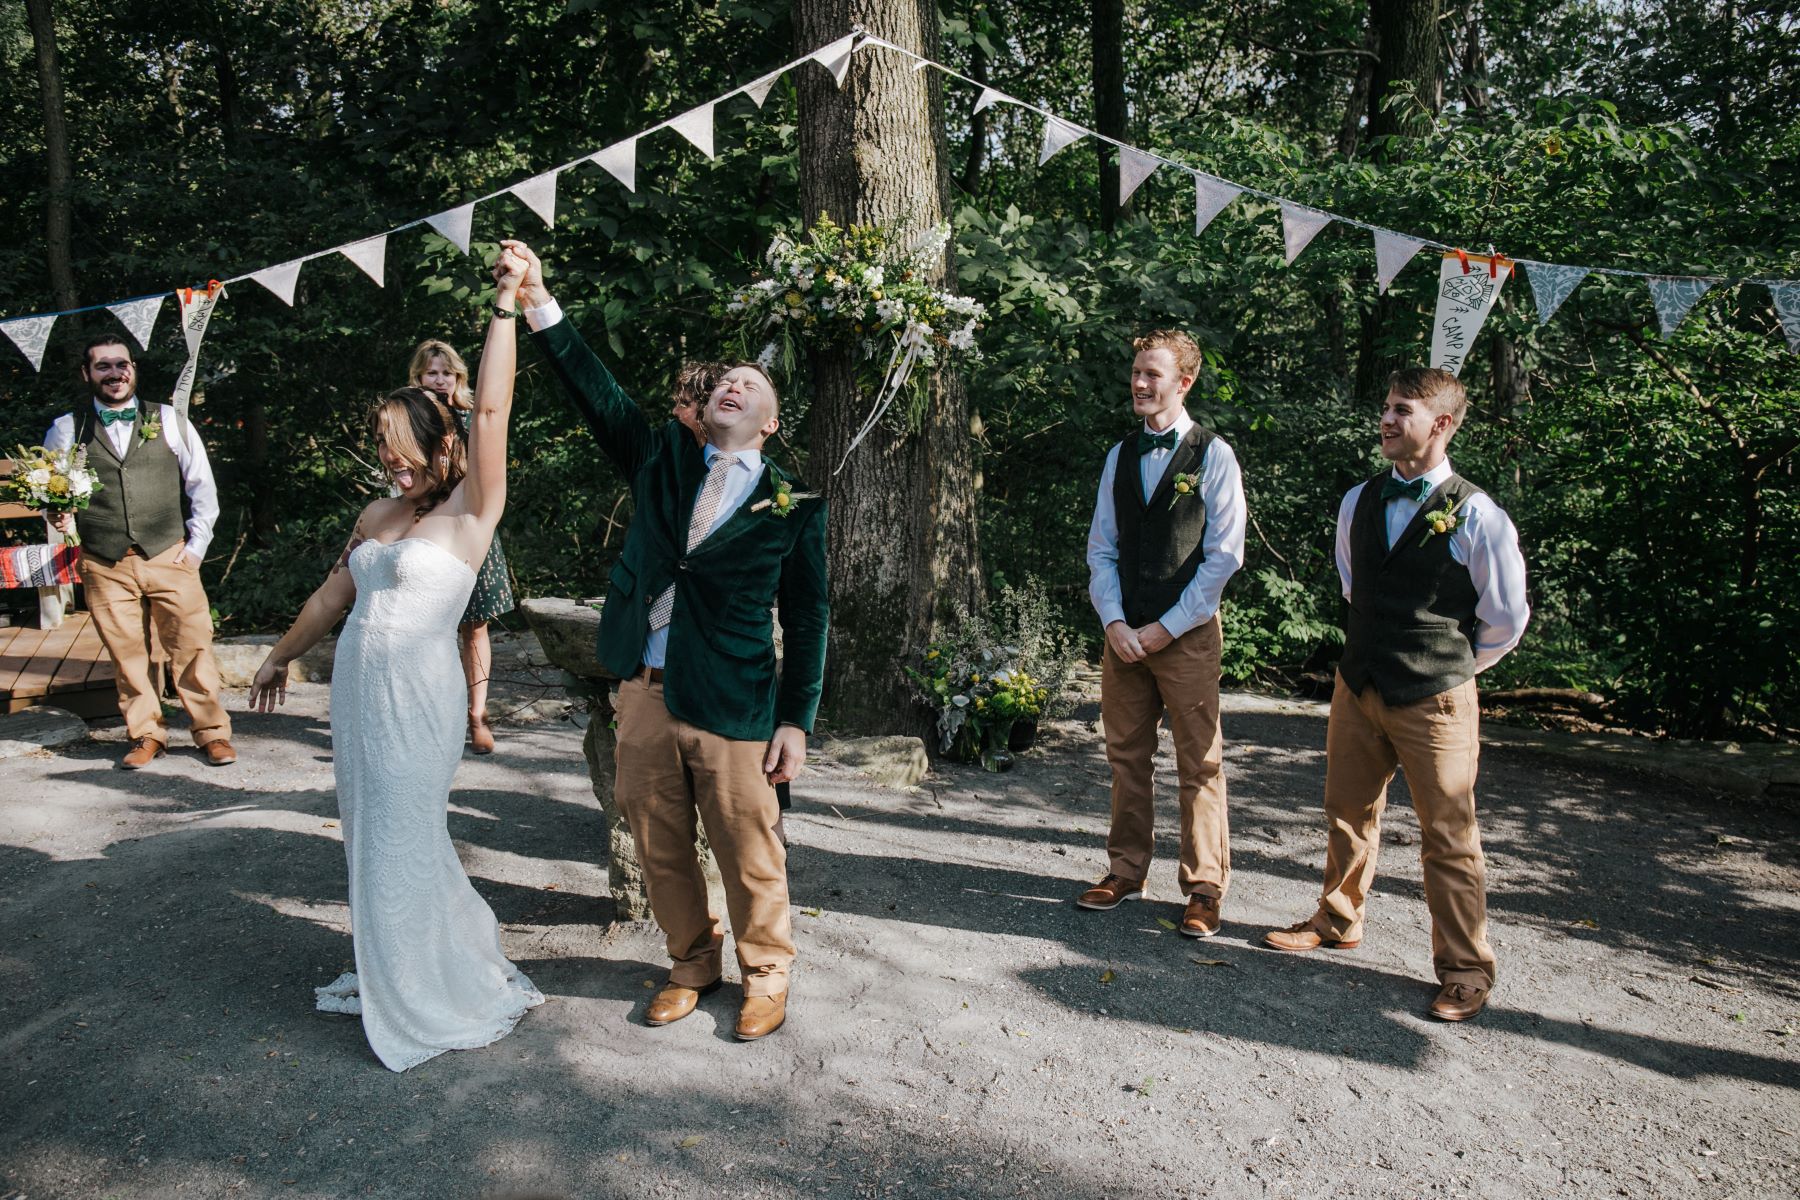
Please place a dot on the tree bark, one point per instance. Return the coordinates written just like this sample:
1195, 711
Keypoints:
902, 541
1108, 19
58, 173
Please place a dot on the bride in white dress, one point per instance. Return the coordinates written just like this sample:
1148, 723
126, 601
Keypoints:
430, 975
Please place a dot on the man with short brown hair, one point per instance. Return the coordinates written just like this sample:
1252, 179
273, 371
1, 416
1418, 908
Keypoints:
1436, 584
140, 551
1167, 533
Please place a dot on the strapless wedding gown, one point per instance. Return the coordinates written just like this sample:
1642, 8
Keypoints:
429, 976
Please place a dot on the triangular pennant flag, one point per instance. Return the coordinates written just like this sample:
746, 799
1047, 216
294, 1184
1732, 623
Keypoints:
1392, 252
371, 255
835, 58
281, 279
1057, 134
696, 125
1134, 167
988, 98
197, 305
139, 317
454, 225
1211, 196
758, 90
1786, 294
1467, 290
1299, 226
1674, 295
30, 335
1551, 284
620, 161
539, 195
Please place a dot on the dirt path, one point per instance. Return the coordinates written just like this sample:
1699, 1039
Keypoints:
958, 1028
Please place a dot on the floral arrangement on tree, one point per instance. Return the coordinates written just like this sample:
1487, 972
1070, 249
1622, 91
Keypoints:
867, 287
987, 675
55, 481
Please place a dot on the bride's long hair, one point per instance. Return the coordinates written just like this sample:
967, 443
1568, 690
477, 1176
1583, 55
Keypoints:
414, 422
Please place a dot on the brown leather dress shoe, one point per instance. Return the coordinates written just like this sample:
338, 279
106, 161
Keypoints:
1110, 893
761, 1016
1297, 939
1459, 1001
219, 752
141, 753
481, 737
675, 1002
1201, 920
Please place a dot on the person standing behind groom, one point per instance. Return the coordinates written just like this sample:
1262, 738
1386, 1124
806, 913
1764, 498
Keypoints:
138, 550
706, 728
1436, 584
1168, 532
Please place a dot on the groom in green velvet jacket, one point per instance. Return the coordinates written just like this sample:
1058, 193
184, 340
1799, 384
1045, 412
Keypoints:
706, 728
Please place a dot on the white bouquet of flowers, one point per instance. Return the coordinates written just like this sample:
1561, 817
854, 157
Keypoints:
56, 481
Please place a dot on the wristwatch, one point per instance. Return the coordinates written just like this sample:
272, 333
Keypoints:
505, 313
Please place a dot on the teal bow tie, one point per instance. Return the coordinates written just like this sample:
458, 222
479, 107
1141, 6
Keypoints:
1158, 441
1413, 489
112, 416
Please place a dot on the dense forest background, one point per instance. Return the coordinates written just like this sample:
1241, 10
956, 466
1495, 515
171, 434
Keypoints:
1652, 479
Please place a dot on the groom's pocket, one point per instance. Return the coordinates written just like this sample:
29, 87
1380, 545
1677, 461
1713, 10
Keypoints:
623, 578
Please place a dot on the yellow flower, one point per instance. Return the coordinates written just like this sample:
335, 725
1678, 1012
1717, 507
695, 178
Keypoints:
793, 299
930, 654
783, 499
1183, 487
875, 294
59, 485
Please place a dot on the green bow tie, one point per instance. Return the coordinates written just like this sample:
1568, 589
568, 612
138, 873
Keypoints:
1414, 489
113, 416
1158, 441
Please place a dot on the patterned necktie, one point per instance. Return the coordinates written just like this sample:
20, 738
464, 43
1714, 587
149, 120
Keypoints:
1411, 489
1158, 441
113, 416
706, 508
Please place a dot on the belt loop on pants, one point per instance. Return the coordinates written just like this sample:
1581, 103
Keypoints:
653, 674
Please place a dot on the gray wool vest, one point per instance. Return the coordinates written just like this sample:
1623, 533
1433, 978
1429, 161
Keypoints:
1412, 606
140, 500
1162, 539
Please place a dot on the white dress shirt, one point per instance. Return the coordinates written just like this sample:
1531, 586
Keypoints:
1221, 490
544, 315
190, 456
1484, 540
738, 486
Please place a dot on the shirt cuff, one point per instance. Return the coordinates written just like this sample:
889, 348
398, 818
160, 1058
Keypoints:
544, 315
1173, 622
1110, 613
196, 549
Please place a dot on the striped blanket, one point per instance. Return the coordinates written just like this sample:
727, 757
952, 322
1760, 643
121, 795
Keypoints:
38, 566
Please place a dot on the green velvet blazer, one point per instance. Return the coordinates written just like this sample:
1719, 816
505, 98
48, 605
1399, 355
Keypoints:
720, 669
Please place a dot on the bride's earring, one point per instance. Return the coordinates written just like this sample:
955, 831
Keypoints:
443, 460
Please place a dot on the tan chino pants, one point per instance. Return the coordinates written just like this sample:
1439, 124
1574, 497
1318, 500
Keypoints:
1184, 678
117, 596
1437, 742
669, 774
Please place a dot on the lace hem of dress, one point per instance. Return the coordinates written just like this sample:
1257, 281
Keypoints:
341, 995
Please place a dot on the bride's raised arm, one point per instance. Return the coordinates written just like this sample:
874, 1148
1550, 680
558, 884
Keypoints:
484, 488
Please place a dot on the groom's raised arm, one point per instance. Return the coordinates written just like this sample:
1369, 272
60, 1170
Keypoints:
611, 415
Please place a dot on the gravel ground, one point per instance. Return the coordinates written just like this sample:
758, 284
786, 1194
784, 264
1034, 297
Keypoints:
957, 1027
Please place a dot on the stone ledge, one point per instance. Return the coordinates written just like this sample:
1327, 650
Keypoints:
40, 727
239, 657
893, 761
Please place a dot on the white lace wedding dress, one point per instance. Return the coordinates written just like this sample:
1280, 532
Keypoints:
429, 976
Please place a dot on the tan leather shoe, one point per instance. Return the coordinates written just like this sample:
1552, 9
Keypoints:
675, 1002
219, 752
481, 737
1201, 920
1459, 1001
761, 1016
1110, 893
141, 753
1297, 939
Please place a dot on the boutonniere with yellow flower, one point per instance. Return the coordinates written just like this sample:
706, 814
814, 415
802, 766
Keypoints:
1185, 485
1441, 520
784, 500
151, 428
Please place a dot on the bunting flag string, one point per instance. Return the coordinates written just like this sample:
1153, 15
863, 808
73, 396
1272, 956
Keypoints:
1674, 296
197, 305
1468, 286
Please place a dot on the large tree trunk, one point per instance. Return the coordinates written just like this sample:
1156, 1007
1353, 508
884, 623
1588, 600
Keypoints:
902, 534
58, 174
1108, 19
1408, 67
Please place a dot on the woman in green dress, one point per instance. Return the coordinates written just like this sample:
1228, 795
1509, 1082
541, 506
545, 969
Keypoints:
437, 366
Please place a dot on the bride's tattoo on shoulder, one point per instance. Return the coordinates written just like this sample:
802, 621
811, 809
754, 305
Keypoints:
356, 539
